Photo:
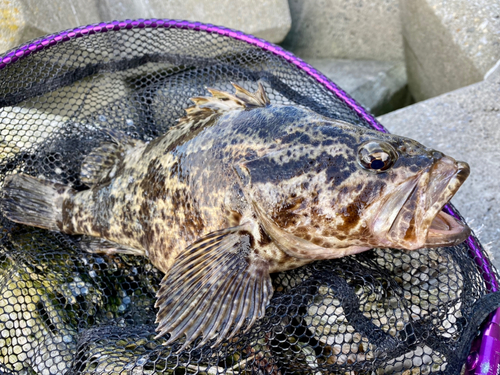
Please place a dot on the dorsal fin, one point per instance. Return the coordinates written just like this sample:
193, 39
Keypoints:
257, 99
221, 101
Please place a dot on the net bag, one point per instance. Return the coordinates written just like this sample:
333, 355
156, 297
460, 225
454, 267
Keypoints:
64, 310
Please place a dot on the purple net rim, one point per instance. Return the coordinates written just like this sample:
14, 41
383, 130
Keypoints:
475, 248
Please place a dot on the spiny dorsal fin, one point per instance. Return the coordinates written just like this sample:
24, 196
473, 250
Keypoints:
257, 99
221, 101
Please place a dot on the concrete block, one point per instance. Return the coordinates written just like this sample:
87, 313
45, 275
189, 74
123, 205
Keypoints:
23, 20
94, 96
346, 29
379, 86
494, 73
464, 125
34, 120
268, 19
22, 128
449, 44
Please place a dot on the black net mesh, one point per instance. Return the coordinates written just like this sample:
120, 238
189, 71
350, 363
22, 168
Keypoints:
66, 311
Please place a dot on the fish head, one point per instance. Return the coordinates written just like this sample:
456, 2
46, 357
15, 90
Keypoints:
420, 181
339, 189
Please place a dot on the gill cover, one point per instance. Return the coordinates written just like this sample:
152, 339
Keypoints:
266, 181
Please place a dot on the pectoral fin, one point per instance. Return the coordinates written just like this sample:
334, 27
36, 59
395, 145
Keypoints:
215, 285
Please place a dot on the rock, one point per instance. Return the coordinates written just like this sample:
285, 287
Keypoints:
22, 128
23, 20
367, 30
494, 73
268, 19
379, 86
99, 94
464, 125
449, 44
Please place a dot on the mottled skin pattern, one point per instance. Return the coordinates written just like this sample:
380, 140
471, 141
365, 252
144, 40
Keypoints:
294, 187
167, 194
303, 171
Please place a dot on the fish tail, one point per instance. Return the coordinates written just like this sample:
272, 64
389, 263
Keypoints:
32, 201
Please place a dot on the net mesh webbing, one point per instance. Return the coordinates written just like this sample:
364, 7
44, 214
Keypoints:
66, 311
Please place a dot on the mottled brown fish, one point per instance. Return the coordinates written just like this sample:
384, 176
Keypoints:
239, 189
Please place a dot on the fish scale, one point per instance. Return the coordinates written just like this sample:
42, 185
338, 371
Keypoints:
241, 188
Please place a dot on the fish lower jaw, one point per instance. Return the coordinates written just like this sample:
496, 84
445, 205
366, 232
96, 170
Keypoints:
428, 226
445, 230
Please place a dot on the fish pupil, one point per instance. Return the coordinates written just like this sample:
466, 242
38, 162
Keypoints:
377, 164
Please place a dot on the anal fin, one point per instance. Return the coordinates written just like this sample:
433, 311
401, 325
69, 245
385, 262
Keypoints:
101, 245
216, 285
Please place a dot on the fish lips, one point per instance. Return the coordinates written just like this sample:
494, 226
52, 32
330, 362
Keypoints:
412, 218
442, 228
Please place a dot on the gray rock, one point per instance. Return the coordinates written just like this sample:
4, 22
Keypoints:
268, 19
97, 94
464, 125
367, 30
494, 73
22, 128
23, 20
379, 86
449, 44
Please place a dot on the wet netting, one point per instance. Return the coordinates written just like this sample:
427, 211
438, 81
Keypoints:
67, 311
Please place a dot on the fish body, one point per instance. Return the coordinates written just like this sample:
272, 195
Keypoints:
167, 194
239, 189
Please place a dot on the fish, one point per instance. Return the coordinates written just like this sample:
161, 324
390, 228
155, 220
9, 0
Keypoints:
238, 189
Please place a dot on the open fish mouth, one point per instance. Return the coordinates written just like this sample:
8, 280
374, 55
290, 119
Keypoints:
412, 218
444, 229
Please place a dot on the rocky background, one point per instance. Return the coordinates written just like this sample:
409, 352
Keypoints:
441, 55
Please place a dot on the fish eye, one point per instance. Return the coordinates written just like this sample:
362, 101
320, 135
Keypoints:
377, 156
